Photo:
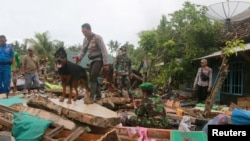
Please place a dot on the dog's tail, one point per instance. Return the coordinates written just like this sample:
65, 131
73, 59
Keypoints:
84, 81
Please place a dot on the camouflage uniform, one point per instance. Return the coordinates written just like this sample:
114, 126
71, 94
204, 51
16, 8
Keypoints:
151, 113
122, 69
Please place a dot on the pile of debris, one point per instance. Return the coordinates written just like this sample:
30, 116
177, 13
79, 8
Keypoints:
101, 121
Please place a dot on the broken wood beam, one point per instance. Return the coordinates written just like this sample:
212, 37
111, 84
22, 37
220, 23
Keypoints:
7, 109
49, 136
75, 134
137, 77
193, 120
151, 132
6, 123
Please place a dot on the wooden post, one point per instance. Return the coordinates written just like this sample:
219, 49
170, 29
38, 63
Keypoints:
217, 86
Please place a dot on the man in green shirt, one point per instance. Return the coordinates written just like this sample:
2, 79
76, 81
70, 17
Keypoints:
15, 69
151, 112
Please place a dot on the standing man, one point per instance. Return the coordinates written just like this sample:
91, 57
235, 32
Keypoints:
98, 59
30, 70
203, 81
6, 59
122, 71
15, 70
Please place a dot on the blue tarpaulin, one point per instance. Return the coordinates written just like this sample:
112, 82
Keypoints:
240, 117
13, 100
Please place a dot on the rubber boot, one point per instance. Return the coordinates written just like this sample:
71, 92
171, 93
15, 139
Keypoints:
90, 99
98, 92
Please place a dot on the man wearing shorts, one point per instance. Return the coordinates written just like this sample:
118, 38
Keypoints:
30, 70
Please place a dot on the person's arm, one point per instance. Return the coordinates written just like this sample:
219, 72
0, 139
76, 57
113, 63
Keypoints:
102, 46
13, 65
84, 50
17, 61
142, 108
23, 65
196, 78
210, 78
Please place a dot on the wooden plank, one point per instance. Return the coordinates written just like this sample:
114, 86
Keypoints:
73, 136
6, 122
151, 132
110, 136
7, 109
49, 136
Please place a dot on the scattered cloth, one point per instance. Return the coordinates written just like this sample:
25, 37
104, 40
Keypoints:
220, 119
240, 117
143, 135
141, 131
185, 124
28, 128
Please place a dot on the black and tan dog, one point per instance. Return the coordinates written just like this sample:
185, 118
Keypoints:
71, 74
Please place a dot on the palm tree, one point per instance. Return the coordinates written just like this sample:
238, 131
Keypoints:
19, 47
58, 44
42, 44
113, 47
75, 48
44, 48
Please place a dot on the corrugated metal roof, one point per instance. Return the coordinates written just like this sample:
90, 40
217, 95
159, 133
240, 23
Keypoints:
85, 60
218, 53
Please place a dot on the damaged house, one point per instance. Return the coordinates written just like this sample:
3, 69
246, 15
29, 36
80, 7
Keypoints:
237, 83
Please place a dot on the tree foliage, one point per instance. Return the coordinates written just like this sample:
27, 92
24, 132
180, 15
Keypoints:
180, 37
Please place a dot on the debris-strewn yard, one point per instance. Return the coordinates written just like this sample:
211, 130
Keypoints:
105, 119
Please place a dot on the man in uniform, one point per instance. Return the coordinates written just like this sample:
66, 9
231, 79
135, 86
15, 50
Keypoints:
97, 53
151, 112
203, 81
6, 59
122, 71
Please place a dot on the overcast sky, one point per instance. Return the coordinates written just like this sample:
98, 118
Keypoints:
119, 20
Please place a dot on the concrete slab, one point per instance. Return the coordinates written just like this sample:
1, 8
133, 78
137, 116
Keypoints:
92, 109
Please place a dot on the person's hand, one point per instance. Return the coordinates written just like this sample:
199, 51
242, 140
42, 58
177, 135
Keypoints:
77, 59
194, 87
114, 75
136, 103
105, 68
209, 89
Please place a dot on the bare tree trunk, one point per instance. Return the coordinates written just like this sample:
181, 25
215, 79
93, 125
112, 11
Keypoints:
223, 72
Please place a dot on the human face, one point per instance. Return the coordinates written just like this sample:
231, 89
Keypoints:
203, 64
30, 52
2, 41
86, 32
